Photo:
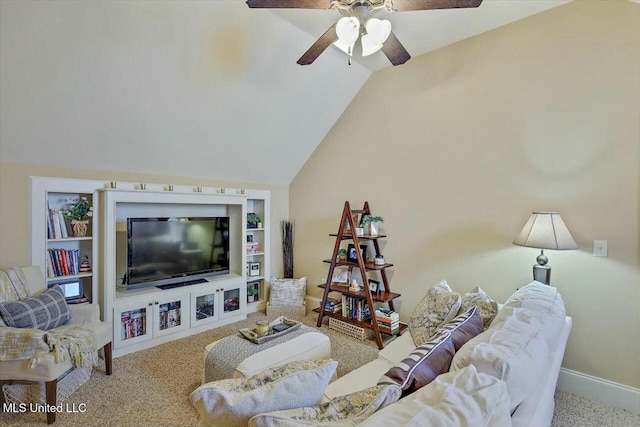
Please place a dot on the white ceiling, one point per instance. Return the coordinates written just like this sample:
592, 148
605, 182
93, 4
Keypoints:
199, 89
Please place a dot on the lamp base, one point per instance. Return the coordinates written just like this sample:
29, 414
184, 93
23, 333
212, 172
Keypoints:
542, 274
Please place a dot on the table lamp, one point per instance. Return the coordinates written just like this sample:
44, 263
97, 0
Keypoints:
545, 230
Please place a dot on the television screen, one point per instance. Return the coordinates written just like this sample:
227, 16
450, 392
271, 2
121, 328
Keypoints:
163, 251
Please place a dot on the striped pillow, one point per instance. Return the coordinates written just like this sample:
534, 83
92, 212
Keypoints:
423, 365
45, 311
464, 327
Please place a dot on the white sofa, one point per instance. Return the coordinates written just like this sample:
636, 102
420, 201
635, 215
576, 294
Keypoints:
541, 315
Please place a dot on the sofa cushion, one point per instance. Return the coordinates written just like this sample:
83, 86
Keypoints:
477, 297
285, 292
45, 311
513, 322
423, 365
438, 306
464, 327
517, 359
542, 302
347, 410
232, 402
454, 399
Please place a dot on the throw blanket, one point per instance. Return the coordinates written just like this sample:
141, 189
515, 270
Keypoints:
64, 342
231, 351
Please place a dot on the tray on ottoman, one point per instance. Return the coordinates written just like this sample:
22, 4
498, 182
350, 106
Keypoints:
275, 330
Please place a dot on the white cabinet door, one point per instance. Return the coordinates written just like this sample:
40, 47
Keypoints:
204, 307
132, 322
170, 314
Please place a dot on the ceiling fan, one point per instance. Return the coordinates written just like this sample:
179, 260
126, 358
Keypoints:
357, 22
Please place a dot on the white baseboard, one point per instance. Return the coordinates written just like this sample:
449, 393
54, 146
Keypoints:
600, 390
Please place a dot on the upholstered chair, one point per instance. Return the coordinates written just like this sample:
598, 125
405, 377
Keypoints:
47, 363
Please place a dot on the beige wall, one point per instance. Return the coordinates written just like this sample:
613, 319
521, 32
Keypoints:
15, 204
457, 147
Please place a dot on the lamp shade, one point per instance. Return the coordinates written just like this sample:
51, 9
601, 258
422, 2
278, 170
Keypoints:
347, 30
545, 230
378, 32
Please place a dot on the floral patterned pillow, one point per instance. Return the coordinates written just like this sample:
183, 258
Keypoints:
439, 306
487, 307
347, 410
232, 402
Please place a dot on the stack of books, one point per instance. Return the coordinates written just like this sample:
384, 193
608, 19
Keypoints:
388, 321
333, 305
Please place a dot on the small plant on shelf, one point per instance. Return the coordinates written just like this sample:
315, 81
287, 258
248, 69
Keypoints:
78, 212
253, 220
342, 254
252, 293
372, 222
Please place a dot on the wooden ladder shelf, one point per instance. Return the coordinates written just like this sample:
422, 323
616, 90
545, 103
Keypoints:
346, 231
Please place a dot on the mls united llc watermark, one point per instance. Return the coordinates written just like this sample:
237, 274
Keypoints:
39, 407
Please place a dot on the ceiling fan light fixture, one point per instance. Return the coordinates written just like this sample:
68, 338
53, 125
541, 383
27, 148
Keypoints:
378, 29
369, 46
347, 30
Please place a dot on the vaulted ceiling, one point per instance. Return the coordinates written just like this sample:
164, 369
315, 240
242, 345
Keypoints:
191, 88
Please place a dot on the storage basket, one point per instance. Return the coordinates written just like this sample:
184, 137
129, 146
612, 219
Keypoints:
350, 330
287, 310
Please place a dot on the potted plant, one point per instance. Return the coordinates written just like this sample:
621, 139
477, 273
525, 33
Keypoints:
254, 220
252, 293
372, 222
342, 254
78, 212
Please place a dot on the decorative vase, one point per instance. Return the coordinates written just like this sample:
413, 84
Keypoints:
373, 229
79, 227
251, 298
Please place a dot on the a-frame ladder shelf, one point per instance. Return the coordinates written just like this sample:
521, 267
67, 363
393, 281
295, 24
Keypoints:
349, 220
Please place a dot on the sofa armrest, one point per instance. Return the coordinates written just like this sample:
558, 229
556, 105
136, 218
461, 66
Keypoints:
84, 313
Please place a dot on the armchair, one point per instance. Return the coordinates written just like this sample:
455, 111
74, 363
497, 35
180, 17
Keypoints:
43, 366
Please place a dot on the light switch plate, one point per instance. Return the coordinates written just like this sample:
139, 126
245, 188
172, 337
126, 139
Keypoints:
600, 248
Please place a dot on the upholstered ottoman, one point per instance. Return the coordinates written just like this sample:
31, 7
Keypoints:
309, 345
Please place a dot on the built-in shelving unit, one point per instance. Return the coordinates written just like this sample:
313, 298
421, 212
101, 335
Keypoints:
149, 316
258, 252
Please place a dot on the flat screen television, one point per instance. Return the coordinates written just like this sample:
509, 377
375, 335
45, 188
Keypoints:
175, 251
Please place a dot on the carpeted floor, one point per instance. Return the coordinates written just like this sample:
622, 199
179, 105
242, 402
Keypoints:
152, 387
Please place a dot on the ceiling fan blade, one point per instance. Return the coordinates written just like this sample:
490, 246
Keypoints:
319, 46
407, 5
394, 50
293, 4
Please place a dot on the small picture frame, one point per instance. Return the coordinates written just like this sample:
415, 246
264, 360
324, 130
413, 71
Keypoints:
352, 255
254, 269
249, 238
363, 248
374, 286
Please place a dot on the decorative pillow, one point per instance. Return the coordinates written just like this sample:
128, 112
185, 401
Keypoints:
287, 291
45, 311
423, 365
464, 327
439, 306
233, 402
344, 411
487, 306
454, 399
